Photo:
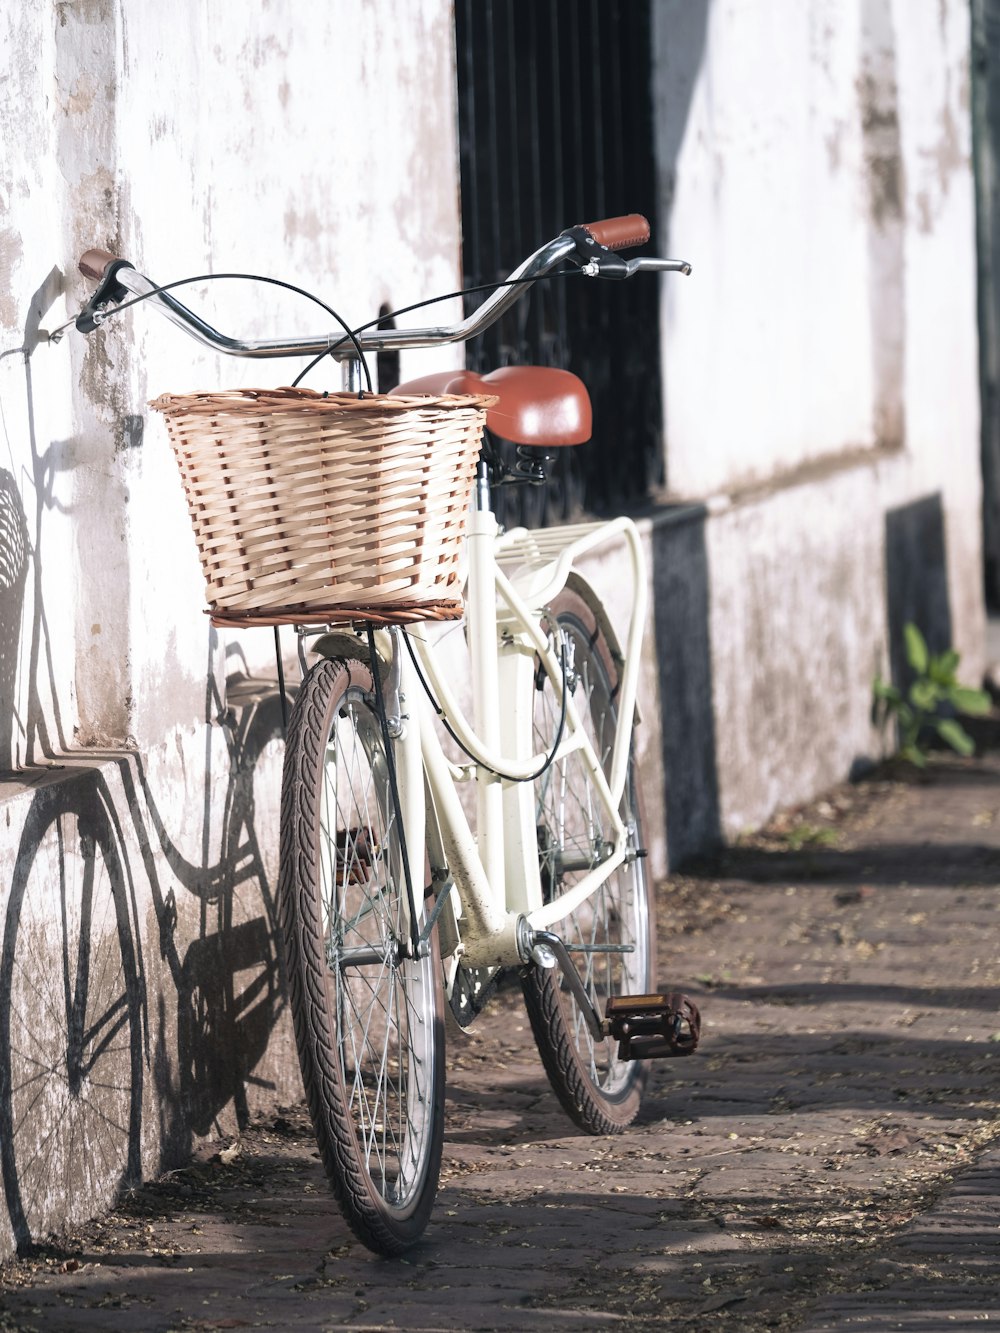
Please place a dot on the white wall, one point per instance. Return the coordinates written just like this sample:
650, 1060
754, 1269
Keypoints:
311, 143
768, 346
820, 366
193, 138
820, 402
816, 170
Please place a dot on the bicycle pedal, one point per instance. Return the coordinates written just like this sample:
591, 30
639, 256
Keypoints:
648, 1027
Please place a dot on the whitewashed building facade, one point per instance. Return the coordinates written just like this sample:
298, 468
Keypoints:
821, 429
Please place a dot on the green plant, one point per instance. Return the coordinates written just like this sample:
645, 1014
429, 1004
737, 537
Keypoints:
810, 835
931, 701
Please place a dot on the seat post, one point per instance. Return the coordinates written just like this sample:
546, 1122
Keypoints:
483, 499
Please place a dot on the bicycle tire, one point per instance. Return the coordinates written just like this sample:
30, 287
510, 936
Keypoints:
370, 1037
599, 1092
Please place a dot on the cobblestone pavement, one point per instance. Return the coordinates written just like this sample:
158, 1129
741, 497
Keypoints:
829, 1160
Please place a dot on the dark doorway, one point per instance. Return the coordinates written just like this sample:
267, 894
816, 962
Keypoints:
555, 128
986, 155
916, 581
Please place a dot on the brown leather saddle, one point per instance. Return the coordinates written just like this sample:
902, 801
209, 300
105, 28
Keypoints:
539, 405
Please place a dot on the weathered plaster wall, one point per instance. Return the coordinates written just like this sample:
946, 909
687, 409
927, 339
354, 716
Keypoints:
821, 414
820, 373
138, 824
768, 346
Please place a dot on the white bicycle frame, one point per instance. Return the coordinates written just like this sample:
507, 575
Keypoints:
495, 872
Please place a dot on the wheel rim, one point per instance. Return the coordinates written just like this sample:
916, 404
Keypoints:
383, 1002
573, 834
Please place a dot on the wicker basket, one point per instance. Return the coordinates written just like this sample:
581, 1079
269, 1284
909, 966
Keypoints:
313, 507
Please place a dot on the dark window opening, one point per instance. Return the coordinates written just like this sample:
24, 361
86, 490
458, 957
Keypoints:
555, 128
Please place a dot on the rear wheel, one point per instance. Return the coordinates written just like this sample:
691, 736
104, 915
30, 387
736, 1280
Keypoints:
611, 935
368, 1018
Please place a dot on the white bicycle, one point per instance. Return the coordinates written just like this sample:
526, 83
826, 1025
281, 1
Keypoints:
391, 902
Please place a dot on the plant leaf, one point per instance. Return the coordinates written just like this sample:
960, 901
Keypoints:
942, 668
967, 700
915, 755
916, 648
924, 694
882, 689
955, 734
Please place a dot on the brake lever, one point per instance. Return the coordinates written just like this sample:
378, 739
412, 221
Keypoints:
109, 290
649, 264
601, 261
613, 266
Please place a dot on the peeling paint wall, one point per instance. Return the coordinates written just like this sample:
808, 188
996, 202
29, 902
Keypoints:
202, 138
815, 166
767, 347
820, 369
821, 415
141, 752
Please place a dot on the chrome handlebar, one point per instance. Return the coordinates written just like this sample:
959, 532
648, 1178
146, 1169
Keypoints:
338, 344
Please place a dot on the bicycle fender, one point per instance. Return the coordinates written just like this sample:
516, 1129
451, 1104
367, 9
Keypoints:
578, 584
341, 643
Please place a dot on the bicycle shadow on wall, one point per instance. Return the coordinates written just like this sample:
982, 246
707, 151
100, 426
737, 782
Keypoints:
72, 1039
27, 736
229, 981
71, 1033
14, 564
77, 1046
77, 1050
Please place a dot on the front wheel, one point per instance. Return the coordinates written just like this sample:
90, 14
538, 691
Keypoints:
611, 936
367, 1016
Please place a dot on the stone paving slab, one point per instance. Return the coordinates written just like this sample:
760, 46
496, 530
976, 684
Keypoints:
828, 1160
942, 1272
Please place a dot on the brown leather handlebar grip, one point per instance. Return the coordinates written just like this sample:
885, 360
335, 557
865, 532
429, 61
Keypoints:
619, 233
93, 263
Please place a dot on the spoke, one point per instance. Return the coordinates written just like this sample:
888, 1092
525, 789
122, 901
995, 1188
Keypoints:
104, 1086
361, 1097
376, 1115
380, 1080
569, 809
26, 978
44, 1071
94, 1111
41, 1148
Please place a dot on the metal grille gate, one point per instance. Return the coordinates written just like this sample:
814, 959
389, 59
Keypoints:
555, 128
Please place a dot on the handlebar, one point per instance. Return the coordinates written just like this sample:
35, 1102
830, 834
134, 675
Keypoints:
619, 233
591, 246
94, 262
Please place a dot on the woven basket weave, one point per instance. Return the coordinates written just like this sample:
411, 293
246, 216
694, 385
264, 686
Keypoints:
327, 507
